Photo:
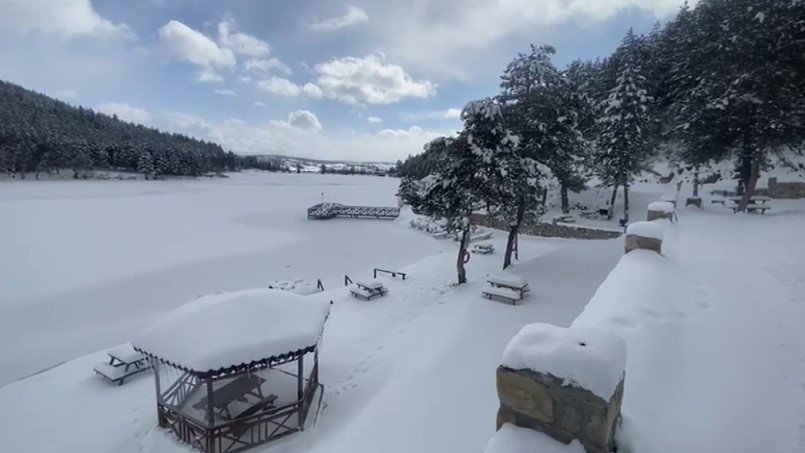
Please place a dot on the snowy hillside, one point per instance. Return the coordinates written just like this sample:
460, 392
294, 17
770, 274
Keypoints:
717, 334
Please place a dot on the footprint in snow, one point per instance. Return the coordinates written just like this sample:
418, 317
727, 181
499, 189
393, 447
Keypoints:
653, 314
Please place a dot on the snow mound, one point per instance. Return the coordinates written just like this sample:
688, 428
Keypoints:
223, 330
652, 230
514, 439
661, 206
586, 357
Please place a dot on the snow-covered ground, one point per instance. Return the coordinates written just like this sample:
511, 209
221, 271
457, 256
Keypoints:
720, 370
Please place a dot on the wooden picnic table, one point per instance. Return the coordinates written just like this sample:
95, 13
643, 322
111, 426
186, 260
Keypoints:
513, 282
232, 391
369, 289
762, 199
123, 362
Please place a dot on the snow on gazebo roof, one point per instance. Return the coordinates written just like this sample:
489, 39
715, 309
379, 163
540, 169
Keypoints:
228, 330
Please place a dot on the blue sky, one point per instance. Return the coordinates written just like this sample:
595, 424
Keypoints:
366, 80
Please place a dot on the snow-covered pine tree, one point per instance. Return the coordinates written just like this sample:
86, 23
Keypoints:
623, 145
746, 90
145, 164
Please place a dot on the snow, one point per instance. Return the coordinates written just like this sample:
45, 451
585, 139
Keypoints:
224, 330
513, 439
586, 357
716, 356
508, 279
653, 230
661, 206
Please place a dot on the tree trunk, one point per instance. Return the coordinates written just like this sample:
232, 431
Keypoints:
565, 200
514, 230
749, 189
462, 250
696, 181
625, 203
612, 202
544, 196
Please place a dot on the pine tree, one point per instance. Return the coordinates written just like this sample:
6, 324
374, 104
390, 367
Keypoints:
145, 165
623, 145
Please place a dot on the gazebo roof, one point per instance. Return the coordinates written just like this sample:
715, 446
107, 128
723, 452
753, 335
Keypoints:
232, 330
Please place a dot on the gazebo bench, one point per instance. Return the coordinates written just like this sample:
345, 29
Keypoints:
505, 294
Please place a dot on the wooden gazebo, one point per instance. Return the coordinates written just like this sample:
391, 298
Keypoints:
236, 370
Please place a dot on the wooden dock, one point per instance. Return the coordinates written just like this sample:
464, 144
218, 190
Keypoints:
332, 210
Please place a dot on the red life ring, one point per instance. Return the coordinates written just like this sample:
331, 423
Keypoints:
466, 257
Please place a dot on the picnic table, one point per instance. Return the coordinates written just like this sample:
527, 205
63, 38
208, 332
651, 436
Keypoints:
123, 362
235, 390
483, 248
508, 287
756, 203
368, 289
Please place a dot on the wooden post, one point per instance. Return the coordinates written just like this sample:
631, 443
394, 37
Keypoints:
155, 366
300, 381
210, 403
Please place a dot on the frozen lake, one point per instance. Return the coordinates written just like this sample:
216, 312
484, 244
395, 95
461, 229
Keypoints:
87, 263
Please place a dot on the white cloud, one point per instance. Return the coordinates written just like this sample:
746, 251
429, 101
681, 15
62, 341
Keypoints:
190, 46
305, 120
259, 104
448, 114
282, 137
226, 92
240, 43
284, 87
374, 119
208, 75
264, 66
125, 112
448, 38
354, 15
66, 18
369, 80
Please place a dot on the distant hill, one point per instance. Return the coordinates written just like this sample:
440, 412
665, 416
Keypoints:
39, 134
308, 165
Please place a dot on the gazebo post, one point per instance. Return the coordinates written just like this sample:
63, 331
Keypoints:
155, 366
210, 403
300, 381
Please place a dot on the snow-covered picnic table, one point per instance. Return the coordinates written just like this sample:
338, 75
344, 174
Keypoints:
510, 281
483, 248
508, 287
123, 362
368, 289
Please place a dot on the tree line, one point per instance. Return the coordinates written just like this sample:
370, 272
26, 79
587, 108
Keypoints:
39, 134
724, 80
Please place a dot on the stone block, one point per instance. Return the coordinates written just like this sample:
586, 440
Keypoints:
545, 403
634, 242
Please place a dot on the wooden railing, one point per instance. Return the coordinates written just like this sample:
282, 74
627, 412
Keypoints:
392, 273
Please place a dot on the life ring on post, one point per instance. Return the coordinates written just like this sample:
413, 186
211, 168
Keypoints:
466, 257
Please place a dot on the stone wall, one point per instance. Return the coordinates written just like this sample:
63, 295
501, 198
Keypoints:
788, 190
544, 229
543, 402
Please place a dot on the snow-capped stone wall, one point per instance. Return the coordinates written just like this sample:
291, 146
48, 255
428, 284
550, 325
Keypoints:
660, 210
564, 382
644, 235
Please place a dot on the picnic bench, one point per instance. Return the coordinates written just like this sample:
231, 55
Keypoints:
505, 294
756, 203
484, 248
368, 290
511, 288
123, 362
235, 390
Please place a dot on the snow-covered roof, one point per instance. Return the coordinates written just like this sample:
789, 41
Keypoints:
231, 329
583, 356
652, 230
661, 206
